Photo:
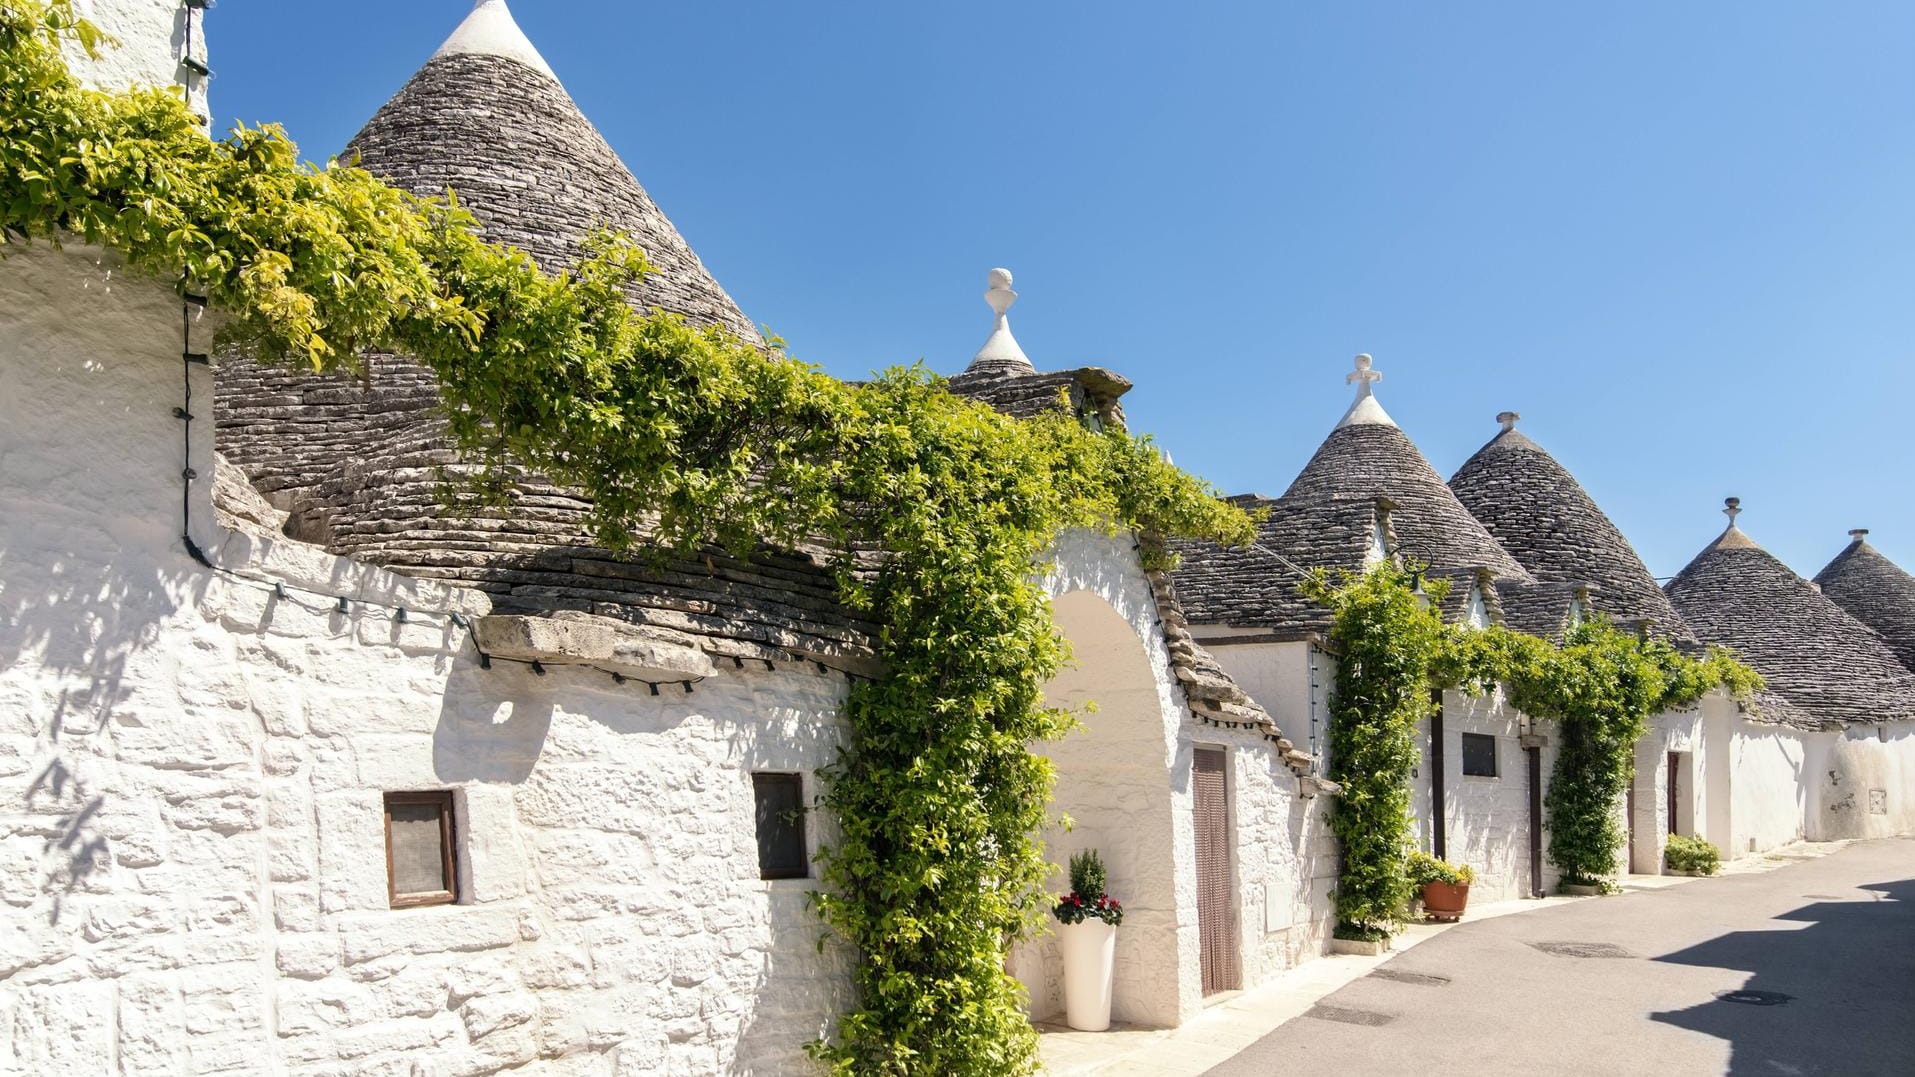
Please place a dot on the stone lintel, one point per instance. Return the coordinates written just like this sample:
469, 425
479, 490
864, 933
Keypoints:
572, 638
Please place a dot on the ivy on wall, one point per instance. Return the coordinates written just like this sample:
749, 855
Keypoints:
1385, 642
679, 437
1600, 685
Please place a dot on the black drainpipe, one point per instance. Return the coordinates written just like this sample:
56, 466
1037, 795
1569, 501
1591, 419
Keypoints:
1439, 837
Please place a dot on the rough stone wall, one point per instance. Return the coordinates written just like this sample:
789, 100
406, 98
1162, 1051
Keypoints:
1116, 782
152, 38
191, 773
1486, 820
1866, 785
1285, 854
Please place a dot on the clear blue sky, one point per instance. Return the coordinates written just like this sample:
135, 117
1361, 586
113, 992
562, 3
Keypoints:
1679, 238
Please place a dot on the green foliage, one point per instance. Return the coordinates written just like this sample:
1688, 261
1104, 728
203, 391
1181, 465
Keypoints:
679, 436
1424, 869
1087, 899
1694, 855
1600, 685
1087, 873
1385, 642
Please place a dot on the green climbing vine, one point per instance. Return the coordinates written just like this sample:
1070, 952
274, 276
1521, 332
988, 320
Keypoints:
1386, 642
1600, 686
680, 437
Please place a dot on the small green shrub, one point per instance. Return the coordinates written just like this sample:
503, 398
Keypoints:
1087, 899
1425, 869
1685, 853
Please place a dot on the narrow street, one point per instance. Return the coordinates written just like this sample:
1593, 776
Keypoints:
1822, 951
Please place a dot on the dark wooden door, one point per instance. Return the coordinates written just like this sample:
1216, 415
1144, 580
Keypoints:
1216, 908
1675, 783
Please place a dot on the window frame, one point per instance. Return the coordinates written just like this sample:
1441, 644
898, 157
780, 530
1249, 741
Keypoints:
448, 858
1495, 756
795, 780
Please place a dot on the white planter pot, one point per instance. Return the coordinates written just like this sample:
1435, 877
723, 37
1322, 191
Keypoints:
1090, 959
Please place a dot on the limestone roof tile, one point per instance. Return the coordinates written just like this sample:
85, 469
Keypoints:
1875, 591
1817, 659
1538, 511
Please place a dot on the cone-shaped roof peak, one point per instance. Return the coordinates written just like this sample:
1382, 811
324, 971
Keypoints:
1875, 591
1365, 408
490, 30
1813, 653
1001, 353
486, 118
1537, 510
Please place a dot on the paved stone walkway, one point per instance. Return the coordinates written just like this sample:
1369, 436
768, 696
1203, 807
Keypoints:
1805, 969
1234, 1034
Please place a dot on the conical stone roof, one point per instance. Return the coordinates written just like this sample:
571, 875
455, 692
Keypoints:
1874, 591
1812, 653
1365, 478
1538, 512
360, 463
486, 118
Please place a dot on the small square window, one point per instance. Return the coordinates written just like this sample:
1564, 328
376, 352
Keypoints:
780, 805
1479, 755
420, 869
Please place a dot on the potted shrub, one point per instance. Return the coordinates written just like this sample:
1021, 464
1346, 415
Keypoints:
1089, 919
1685, 855
1443, 886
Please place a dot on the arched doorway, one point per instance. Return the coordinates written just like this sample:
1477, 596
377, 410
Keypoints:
1114, 782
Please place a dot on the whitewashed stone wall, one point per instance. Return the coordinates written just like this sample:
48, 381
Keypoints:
1681, 731
191, 770
150, 38
1285, 858
1286, 855
1866, 782
1116, 784
1486, 820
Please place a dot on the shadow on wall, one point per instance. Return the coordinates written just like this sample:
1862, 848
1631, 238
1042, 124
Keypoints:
67, 632
1851, 978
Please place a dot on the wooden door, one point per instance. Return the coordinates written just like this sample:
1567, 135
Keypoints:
1216, 908
1675, 783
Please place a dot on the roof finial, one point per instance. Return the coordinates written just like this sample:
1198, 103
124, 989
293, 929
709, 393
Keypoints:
1859, 534
1508, 419
1363, 376
1365, 409
491, 31
1001, 350
1732, 508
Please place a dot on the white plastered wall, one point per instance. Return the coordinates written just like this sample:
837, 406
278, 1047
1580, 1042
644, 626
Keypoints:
1286, 852
149, 39
1123, 780
1684, 732
191, 770
1866, 782
1487, 824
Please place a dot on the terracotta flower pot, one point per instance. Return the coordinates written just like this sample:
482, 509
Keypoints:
1445, 901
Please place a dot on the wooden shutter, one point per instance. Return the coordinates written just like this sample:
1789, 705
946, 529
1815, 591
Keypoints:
780, 810
1216, 906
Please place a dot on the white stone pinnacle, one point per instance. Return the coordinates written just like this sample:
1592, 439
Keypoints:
491, 31
1365, 409
1508, 419
1732, 508
1001, 347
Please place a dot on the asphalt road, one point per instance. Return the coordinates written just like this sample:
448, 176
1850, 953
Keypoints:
1632, 985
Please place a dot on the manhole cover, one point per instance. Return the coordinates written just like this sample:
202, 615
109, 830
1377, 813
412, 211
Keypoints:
1754, 998
1410, 977
1581, 949
1346, 1016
